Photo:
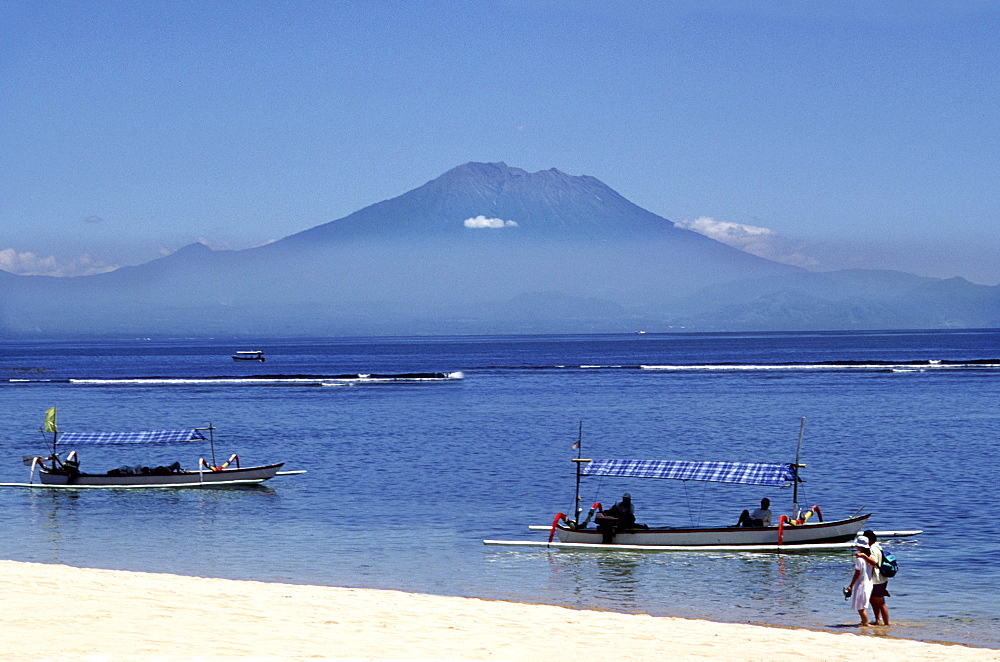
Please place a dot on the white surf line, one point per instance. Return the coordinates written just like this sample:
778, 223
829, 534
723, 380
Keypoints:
825, 366
184, 381
318, 380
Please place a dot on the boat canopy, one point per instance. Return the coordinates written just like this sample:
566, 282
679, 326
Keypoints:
749, 473
143, 437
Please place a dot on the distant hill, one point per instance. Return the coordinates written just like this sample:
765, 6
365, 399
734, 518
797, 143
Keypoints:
849, 299
484, 248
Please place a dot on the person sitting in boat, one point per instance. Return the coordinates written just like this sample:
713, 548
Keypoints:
623, 511
759, 517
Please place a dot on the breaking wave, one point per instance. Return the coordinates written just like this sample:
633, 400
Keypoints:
861, 366
267, 380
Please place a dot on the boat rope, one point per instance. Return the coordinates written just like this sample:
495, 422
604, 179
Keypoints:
696, 520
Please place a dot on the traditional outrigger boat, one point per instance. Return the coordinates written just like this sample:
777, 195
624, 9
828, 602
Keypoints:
64, 472
803, 530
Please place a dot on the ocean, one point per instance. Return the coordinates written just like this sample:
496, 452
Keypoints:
417, 449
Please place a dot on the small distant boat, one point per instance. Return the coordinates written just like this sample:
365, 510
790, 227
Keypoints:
64, 472
249, 355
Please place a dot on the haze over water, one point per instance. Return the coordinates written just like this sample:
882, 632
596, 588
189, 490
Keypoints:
407, 477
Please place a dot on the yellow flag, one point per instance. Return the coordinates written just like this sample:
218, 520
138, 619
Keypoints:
50, 420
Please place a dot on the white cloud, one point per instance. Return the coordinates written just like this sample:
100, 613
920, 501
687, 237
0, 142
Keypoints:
733, 234
762, 242
483, 222
29, 264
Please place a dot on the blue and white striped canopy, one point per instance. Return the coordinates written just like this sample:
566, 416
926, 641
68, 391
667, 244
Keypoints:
749, 473
144, 437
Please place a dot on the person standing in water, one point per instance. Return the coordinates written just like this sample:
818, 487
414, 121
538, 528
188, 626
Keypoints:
860, 588
880, 583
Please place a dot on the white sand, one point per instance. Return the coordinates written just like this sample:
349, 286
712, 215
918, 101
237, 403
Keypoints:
59, 612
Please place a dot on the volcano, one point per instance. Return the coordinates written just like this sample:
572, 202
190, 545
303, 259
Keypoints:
484, 248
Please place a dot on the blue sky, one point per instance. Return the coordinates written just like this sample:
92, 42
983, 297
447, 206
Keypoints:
830, 135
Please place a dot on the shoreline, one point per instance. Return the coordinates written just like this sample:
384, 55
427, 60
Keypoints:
59, 612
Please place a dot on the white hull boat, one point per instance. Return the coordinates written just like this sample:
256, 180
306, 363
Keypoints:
801, 529
206, 478
57, 471
784, 534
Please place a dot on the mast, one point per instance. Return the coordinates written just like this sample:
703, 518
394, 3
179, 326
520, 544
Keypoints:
211, 441
795, 470
579, 454
579, 462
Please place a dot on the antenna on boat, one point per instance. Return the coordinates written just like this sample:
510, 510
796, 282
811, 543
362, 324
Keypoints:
795, 471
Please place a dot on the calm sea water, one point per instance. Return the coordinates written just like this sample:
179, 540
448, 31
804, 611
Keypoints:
407, 477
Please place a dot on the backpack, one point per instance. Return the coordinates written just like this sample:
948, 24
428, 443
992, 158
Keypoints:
888, 566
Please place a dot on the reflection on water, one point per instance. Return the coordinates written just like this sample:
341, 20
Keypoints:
729, 586
126, 528
617, 577
49, 513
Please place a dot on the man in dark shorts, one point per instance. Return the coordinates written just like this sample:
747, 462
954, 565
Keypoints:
880, 589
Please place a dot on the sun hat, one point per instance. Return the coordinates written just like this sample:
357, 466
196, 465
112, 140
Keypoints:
861, 541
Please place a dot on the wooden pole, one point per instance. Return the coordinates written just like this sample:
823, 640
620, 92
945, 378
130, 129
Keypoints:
795, 470
579, 454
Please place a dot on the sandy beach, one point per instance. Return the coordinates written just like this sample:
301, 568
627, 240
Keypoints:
62, 612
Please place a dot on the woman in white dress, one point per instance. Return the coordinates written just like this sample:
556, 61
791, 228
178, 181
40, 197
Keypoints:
860, 588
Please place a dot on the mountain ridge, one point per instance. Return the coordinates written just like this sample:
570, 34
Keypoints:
484, 248
546, 204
